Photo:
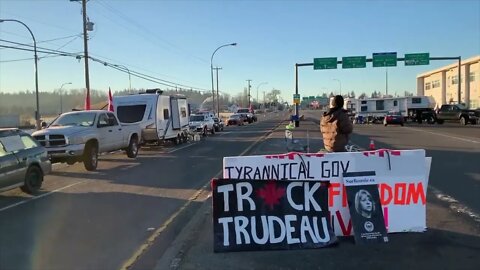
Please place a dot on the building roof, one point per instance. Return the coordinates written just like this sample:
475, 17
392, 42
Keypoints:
444, 68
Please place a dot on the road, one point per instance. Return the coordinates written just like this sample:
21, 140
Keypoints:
133, 213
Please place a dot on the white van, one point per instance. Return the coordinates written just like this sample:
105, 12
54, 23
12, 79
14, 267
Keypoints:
161, 117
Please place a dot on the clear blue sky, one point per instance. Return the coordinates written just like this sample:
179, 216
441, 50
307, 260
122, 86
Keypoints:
174, 40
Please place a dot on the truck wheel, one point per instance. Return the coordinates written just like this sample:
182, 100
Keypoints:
132, 150
204, 132
463, 121
90, 158
33, 180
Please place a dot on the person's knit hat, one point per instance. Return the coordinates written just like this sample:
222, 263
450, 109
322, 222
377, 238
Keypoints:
336, 102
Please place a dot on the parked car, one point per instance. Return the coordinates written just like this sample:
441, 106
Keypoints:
457, 113
219, 125
202, 123
23, 161
235, 120
393, 118
80, 136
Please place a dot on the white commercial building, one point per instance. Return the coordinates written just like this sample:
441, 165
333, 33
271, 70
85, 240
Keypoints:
442, 83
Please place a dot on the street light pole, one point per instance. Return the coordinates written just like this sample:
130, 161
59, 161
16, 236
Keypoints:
211, 71
258, 86
37, 113
61, 101
340, 85
129, 75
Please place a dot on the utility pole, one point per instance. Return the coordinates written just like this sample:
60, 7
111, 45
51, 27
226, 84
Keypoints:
249, 86
85, 48
218, 96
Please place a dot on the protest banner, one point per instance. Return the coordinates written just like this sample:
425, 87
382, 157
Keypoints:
402, 177
270, 215
365, 209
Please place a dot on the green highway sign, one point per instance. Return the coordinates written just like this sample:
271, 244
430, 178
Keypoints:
311, 97
304, 98
354, 62
416, 59
325, 63
386, 59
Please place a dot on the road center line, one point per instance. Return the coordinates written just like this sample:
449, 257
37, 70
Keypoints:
40, 196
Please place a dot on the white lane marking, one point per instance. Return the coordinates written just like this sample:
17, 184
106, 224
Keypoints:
180, 148
444, 135
455, 205
40, 196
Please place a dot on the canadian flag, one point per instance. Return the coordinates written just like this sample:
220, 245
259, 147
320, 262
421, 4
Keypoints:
110, 100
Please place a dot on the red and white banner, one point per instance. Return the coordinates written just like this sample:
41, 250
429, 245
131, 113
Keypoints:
402, 177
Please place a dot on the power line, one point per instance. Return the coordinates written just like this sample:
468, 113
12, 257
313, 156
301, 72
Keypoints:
134, 73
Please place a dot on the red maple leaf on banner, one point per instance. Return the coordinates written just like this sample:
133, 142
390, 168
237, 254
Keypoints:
270, 194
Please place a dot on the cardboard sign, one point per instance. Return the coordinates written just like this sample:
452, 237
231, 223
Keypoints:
402, 177
270, 215
365, 208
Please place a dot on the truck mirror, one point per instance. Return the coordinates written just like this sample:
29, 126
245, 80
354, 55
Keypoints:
43, 124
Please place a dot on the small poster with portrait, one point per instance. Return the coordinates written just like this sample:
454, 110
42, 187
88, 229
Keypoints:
365, 208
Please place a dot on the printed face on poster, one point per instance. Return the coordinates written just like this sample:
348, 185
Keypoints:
270, 215
365, 208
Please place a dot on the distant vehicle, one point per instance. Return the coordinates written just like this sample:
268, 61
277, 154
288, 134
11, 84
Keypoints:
377, 108
202, 123
393, 118
219, 125
23, 161
235, 120
457, 113
161, 117
248, 115
80, 136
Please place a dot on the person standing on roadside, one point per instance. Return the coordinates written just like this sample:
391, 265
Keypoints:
336, 126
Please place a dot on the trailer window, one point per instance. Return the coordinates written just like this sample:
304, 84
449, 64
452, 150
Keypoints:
416, 100
380, 105
166, 116
364, 108
395, 103
183, 112
364, 102
131, 113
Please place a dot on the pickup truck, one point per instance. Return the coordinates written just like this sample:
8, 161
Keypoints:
248, 115
457, 113
202, 123
80, 136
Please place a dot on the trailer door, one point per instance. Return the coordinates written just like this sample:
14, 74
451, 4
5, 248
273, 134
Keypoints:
175, 113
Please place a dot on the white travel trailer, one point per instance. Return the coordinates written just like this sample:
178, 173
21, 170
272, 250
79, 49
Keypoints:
379, 107
161, 117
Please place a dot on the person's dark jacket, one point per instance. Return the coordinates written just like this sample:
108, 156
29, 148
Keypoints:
336, 128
